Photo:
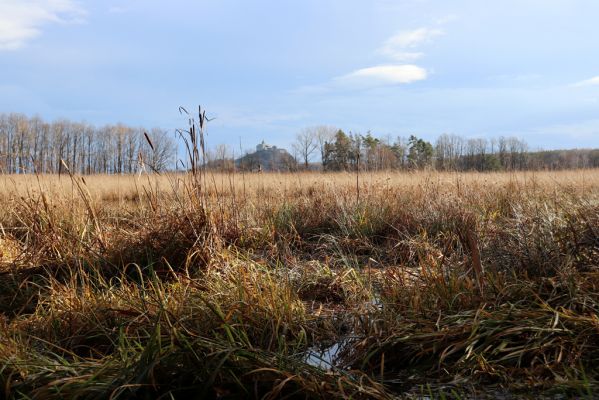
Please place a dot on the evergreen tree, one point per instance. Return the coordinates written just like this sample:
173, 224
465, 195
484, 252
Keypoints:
420, 153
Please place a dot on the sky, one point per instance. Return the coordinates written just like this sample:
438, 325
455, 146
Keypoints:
265, 69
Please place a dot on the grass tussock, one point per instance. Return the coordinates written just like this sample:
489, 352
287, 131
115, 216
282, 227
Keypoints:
270, 286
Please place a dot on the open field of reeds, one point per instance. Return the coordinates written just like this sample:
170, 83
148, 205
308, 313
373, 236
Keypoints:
377, 286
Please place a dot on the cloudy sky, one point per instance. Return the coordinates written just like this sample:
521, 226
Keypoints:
267, 68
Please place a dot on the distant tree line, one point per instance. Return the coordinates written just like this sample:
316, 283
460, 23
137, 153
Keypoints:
29, 144
33, 145
341, 151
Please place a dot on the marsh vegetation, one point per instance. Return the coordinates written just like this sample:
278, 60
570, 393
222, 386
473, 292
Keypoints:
272, 285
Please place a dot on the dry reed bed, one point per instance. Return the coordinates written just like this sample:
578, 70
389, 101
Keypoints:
139, 286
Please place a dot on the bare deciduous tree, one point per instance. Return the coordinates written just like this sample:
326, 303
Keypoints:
305, 144
160, 155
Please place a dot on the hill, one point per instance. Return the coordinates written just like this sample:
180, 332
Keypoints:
267, 158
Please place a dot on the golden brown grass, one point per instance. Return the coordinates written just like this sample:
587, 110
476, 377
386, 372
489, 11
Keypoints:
144, 286
128, 187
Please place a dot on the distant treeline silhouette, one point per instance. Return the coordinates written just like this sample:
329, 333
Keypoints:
33, 145
448, 153
29, 144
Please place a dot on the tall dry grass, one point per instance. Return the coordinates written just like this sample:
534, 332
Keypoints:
273, 285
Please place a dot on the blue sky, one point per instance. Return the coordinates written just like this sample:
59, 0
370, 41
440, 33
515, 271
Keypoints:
265, 69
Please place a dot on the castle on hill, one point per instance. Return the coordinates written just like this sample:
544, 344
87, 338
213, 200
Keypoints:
267, 158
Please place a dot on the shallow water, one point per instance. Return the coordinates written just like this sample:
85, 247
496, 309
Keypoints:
323, 359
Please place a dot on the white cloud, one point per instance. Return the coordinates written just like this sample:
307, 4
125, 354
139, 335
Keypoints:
400, 46
368, 78
22, 20
589, 82
382, 75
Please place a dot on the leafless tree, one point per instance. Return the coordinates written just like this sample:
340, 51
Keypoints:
305, 144
161, 154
